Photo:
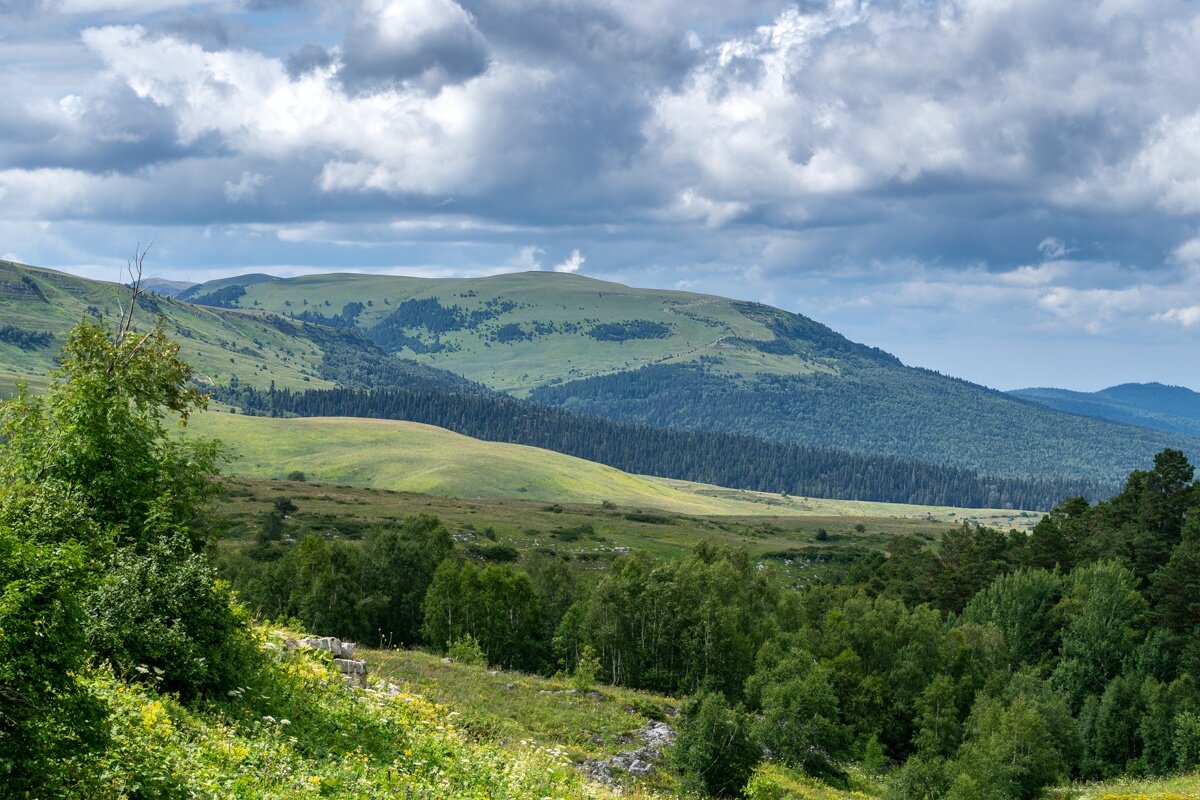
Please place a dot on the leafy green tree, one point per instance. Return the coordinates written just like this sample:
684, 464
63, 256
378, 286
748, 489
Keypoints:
403, 560
1022, 605
714, 752
1175, 586
92, 489
1009, 753
1105, 621
940, 728
101, 429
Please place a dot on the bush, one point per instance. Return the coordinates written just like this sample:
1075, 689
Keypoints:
163, 618
466, 650
714, 752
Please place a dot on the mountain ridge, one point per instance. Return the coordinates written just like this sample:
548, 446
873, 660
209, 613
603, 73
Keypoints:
1173, 409
661, 358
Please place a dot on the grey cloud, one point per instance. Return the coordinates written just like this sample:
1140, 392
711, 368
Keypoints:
426, 42
308, 58
207, 30
113, 130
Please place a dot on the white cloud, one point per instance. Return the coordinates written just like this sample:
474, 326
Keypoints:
572, 263
245, 189
1053, 248
1187, 317
430, 42
529, 258
394, 141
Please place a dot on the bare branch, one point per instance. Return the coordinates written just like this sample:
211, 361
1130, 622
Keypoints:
135, 270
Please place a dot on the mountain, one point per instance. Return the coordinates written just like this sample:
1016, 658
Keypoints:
700, 362
1174, 409
662, 359
38, 306
167, 288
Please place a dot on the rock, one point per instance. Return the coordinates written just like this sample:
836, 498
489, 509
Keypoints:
636, 763
355, 672
510, 686
447, 660
329, 644
657, 734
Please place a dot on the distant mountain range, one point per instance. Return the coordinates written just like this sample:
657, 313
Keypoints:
662, 359
1174, 409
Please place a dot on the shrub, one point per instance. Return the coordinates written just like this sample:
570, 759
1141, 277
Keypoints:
163, 617
714, 751
466, 649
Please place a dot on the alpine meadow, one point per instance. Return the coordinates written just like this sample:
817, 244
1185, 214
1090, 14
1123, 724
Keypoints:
584, 399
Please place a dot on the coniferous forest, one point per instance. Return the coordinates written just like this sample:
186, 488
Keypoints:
732, 460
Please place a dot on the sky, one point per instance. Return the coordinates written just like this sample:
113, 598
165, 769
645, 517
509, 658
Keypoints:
1003, 190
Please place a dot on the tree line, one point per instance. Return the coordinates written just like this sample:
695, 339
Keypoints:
732, 460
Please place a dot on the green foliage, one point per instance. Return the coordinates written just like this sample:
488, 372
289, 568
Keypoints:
46, 713
1105, 619
1187, 741
467, 650
799, 720
98, 536
1022, 605
714, 751
163, 617
1009, 753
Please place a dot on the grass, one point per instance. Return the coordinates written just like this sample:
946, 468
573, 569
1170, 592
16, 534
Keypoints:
513, 706
698, 323
1179, 787
412, 457
298, 731
591, 534
220, 344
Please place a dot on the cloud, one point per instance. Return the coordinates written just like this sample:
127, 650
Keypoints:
429, 43
309, 58
572, 263
1186, 317
1053, 248
245, 190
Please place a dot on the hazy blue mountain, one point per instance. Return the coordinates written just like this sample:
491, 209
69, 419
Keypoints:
1175, 409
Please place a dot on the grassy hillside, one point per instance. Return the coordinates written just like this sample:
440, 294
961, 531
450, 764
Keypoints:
677, 359
301, 732
1150, 405
39, 306
422, 459
516, 332
662, 358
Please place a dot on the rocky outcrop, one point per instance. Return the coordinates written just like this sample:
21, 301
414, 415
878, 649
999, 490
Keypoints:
353, 670
656, 737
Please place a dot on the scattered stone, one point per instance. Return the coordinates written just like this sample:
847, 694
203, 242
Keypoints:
635, 763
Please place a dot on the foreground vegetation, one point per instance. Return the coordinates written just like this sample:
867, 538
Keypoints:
982, 666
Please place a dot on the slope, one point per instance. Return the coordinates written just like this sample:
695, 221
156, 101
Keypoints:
411, 457
1174, 409
224, 346
677, 359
